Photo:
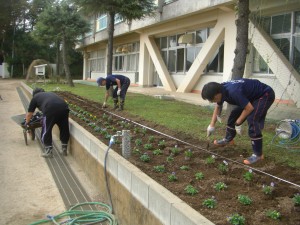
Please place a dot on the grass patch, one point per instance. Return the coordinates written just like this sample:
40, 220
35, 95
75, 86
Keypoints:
182, 117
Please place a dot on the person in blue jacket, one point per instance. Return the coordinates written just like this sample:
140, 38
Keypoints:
122, 83
55, 111
251, 99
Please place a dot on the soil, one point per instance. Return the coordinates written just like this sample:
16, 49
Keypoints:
102, 124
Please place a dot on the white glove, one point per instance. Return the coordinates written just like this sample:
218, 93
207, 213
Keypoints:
104, 105
119, 91
219, 118
210, 130
239, 129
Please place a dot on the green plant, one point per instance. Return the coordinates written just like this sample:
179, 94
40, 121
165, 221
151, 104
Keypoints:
210, 160
162, 144
170, 158
220, 186
248, 176
157, 152
144, 130
210, 202
268, 189
148, 146
151, 139
191, 190
172, 177
199, 176
273, 214
145, 157
159, 168
136, 151
138, 142
184, 167
175, 150
223, 167
296, 199
244, 199
188, 153
236, 219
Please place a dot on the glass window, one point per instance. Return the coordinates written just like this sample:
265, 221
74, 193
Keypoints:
297, 22
284, 45
164, 42
172, 41
190, 56
180, 60
216, 64
172, 61
259, 64
296, 60
281, 24
201, 36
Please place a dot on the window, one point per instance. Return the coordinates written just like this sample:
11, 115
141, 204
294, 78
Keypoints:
97, 61
179, 57
101, 22
284, 29
126, 57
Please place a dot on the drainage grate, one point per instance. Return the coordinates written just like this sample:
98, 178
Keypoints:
67, 183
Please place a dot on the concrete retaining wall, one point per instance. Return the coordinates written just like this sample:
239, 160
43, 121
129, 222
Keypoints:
137, 199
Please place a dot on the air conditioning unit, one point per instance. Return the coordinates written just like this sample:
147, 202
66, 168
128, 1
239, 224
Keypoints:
185, 39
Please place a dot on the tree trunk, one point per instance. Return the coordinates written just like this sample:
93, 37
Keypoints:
241, 39
65, 62
57, 58
241, 44
110, 44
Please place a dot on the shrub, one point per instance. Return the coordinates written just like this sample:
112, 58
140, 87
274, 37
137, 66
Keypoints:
159, 168
210, 202
273, 214
172, 177
268, 190
210, 160
236, 219
220, 186
244, 199
199, 176
248, 176
145, 157
296, 199
191, 190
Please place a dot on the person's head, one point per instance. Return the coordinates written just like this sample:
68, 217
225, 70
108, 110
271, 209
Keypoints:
101, 81
37, 90
212, 92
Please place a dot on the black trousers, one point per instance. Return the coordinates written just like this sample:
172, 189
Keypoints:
124, 88
61, 119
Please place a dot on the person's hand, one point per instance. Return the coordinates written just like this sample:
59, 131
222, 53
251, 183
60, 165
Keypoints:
104, 105
210, 130
119, 91
239, 129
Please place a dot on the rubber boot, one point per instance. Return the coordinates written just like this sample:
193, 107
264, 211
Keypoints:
257, 146
115, 103
48, 152
64, 149
121, 107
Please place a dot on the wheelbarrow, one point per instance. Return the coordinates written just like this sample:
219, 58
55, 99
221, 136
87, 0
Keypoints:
35, 122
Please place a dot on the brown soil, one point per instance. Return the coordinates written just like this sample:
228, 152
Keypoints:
227, 200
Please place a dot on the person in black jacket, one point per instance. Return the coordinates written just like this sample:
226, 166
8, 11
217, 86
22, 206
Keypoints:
55, 111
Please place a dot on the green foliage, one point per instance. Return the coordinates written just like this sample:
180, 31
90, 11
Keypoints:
172, 177
210, 202
188, 153
170, 158
191, 190
157, 152
199, 176
236, 219
268, 189
162, 144
223, 168
151, 139
248, 176
210, 160
296, 199
148, 146
159, 168
273, 214
184, 167
145, 157
138, 142
244, 199
220, 186
175, 150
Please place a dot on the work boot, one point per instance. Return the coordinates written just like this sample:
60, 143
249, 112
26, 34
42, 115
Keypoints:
64, 149
48, 152
115, 103
121, 107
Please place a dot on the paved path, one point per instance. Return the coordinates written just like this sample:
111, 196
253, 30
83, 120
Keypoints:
27, 190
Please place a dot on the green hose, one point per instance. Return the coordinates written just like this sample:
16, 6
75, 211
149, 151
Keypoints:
73, 216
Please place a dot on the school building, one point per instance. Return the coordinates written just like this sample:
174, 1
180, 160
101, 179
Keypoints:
191, 42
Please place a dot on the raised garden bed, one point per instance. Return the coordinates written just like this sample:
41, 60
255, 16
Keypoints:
213, 185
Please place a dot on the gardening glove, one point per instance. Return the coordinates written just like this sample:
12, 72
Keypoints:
239, 130
219, 118
210, 130
119, 92
104, 105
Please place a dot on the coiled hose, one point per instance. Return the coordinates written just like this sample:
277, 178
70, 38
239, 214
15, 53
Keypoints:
73, 216
77, 217
287, 134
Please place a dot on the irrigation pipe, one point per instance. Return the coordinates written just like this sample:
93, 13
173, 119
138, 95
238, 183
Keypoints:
202, 149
